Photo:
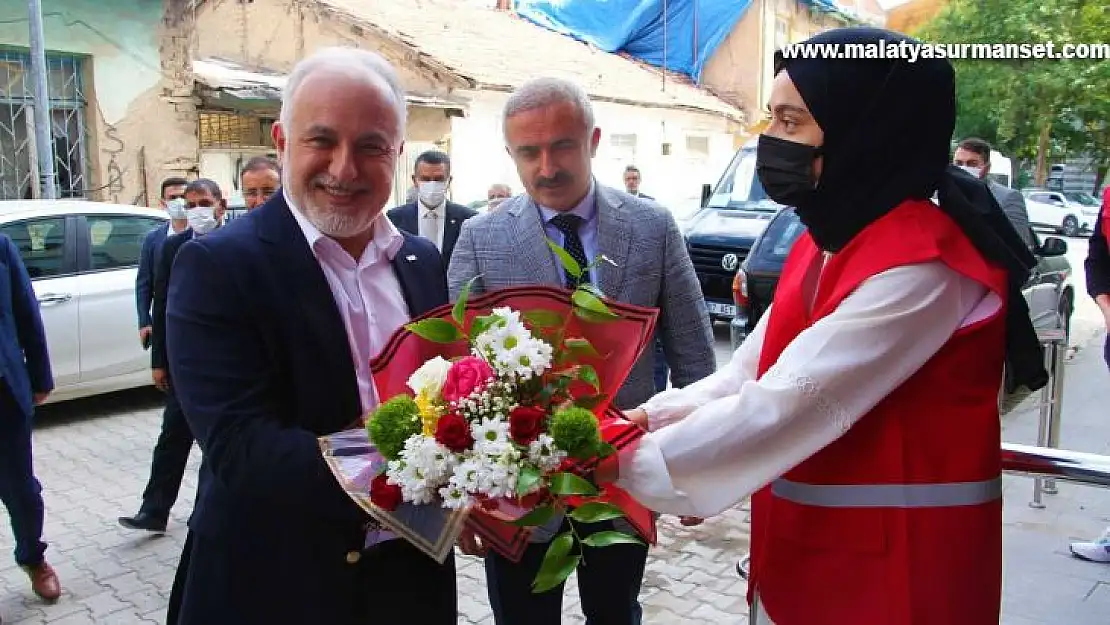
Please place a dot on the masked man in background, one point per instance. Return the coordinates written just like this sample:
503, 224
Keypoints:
432, 215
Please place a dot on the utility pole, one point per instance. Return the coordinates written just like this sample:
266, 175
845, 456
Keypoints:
44, 143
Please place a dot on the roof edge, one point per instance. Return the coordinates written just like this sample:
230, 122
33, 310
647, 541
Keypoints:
739, 117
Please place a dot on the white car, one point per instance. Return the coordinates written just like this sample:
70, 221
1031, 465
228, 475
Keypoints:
1067, 213
83, 258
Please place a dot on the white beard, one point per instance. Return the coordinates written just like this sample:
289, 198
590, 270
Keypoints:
337, 225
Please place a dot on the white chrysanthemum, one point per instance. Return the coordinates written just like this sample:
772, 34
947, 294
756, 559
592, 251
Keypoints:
454, 496
498, 475
467, 475
489, 433
543, 453
430, 377
423, 467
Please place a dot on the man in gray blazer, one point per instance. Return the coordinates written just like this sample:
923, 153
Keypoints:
974, 156
550, 134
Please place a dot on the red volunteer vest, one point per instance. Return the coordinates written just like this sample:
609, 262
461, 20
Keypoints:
1105, 219
913, 534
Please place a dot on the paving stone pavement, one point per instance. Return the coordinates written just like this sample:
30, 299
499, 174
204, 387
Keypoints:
93, 458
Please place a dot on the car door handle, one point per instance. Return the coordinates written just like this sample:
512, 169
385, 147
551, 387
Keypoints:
53, 299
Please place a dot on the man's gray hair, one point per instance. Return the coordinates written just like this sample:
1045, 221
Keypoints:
543, 92
351, 62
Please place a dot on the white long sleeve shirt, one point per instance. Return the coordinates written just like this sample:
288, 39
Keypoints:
715, 442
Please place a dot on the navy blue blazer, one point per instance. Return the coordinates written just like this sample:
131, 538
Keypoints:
407, 219
261, 364
24, 358
144, 280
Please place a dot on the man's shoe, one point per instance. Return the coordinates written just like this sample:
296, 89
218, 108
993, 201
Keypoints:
1094, 551
44, 581
144, 521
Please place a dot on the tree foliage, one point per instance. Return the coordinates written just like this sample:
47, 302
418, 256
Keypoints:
1032, 109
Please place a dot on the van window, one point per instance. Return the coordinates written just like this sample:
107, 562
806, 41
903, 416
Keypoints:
781, 235
739, 187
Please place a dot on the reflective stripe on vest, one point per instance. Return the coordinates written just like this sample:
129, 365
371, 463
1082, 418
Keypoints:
889, 495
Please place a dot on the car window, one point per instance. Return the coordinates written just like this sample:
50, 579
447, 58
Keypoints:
41, 244
1039, 197
782, 234
116, 241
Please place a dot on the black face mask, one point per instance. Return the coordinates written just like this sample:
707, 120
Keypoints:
785, 169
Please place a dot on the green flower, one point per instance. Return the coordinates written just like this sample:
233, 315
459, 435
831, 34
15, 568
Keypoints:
392, 424
576, 431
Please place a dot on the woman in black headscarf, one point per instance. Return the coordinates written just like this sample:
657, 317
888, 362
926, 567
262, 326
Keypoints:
862, 411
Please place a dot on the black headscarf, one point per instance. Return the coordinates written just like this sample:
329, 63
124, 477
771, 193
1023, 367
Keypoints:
887, 125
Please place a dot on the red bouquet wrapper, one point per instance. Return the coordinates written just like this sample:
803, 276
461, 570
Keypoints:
619, 343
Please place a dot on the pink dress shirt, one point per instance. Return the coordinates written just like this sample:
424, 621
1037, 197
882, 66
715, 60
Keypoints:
367, 293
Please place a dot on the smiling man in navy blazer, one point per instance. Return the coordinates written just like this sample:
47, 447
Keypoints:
271, 325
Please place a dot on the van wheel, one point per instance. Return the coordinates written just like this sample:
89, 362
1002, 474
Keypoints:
1071, 226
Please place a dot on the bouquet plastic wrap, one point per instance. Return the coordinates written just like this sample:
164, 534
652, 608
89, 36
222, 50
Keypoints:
494, 411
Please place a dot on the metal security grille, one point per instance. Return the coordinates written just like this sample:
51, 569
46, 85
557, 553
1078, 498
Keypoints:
221, 130
18, 161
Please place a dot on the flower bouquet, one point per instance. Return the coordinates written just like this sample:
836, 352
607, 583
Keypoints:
495, 411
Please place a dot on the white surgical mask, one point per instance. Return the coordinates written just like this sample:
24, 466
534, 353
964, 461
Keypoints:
432, 193
202, 219
176, 208
974, 171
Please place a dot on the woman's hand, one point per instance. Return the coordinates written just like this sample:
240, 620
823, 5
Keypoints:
637, 416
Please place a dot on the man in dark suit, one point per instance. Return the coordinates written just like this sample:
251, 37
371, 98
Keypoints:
550, 134
204, 211
431, 215
271, 326
973, 155
25, 382
173, 202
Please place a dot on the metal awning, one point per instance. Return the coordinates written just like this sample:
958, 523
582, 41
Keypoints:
231, 85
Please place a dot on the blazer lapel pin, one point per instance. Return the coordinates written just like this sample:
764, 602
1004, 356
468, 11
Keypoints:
411, 257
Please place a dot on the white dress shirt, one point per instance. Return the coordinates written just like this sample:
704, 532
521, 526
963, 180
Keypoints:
367, 293
431, 222
715, 442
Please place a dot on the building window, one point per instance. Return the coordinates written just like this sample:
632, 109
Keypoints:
18, 153
697, 146
222, 130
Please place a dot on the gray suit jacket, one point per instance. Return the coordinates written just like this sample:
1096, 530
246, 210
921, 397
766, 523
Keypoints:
1013, 204
508, 247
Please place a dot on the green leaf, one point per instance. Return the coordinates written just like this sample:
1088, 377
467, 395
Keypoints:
435, 330
605, 539
604, 450
528, 478
594, 317
595, 512
569, 264
555, 573
542, 318
536, 517
589, 402
481, 324
557, 565
588, 374
570, 484
581, 347
459, 311
589, 301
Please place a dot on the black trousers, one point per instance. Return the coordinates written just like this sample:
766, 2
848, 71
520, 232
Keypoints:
609, 580
167, 467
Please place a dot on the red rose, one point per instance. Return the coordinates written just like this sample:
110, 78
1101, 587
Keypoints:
526, 424
383, 494
465, 376
453, 432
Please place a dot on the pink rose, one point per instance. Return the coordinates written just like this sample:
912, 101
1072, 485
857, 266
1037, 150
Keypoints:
466, 376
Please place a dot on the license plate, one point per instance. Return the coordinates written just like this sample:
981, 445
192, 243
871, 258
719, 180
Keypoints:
722, 310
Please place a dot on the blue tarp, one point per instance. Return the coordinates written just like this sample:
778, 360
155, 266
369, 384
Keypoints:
694, 28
